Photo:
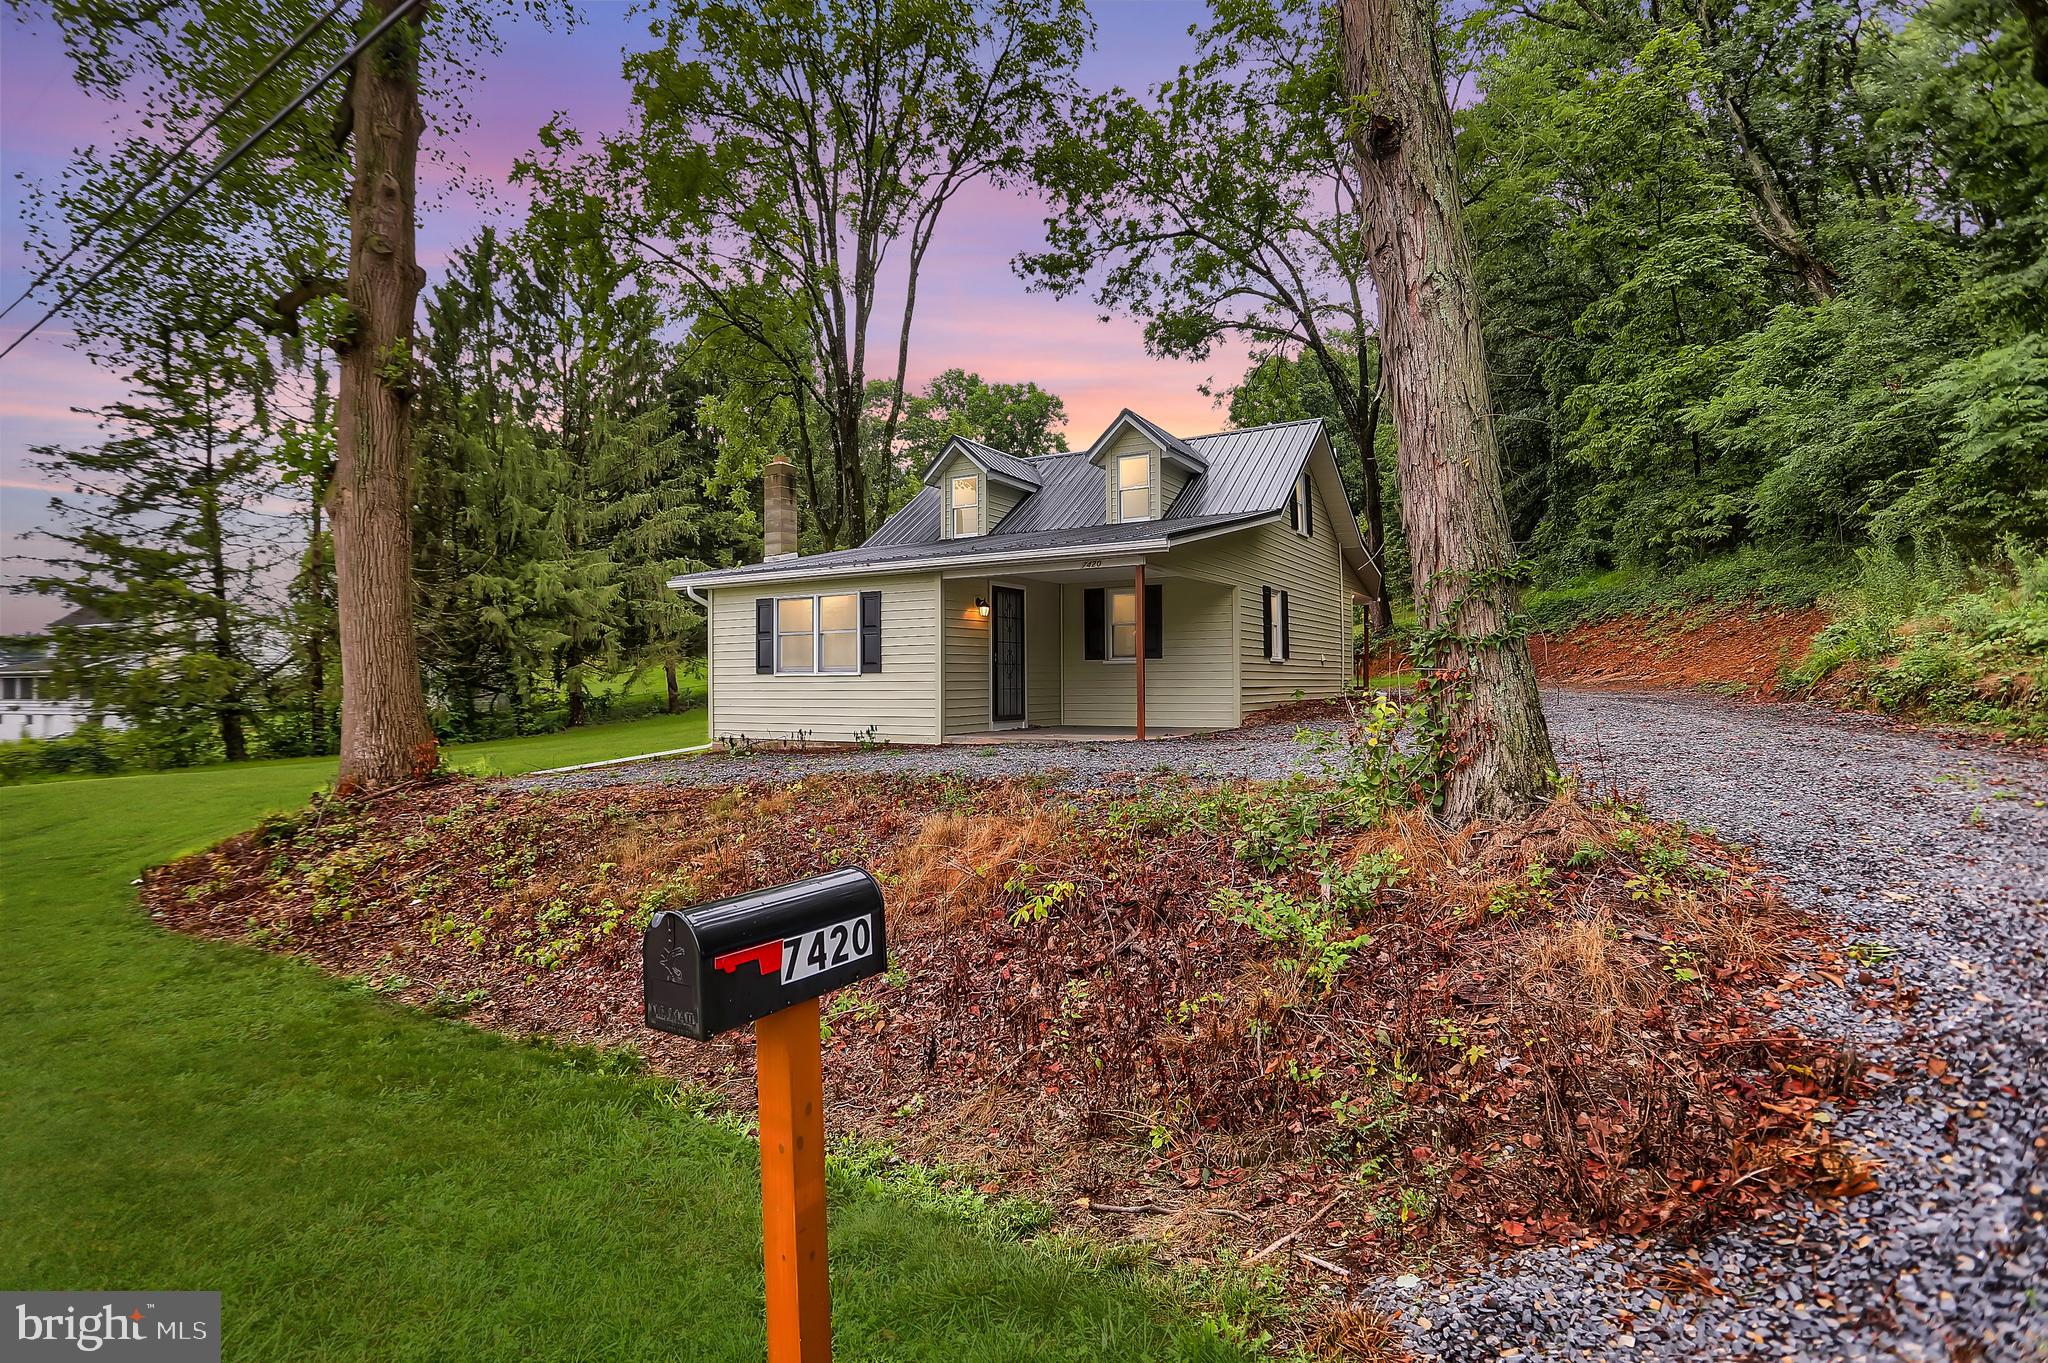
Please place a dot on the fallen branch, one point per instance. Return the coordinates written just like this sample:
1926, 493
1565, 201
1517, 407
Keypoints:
1295, 1234
1337, 1269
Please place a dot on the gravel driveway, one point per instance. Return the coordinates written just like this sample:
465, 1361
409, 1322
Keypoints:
1936, 850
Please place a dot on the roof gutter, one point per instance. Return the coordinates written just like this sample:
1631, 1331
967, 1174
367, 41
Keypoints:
694, 584
799, 572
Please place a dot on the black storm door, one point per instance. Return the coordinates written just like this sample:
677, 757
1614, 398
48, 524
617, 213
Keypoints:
1006, 656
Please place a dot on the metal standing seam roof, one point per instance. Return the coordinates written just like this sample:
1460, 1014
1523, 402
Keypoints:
1172, 443
998, 462
1249, 475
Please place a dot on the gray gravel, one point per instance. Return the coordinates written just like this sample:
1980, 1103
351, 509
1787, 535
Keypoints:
1936, 849
1261, 754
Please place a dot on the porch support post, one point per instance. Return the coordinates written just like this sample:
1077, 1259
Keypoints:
1140, 660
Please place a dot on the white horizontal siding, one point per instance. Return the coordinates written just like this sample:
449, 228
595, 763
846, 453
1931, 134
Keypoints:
968, 665
1310, 570
1192, 686
899, 703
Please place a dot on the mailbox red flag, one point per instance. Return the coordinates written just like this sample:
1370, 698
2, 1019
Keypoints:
768, 955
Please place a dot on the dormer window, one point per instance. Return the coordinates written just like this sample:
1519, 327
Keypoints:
1134, 487
966, 505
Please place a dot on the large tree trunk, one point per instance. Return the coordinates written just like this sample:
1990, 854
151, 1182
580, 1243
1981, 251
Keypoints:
1495, 758
675, 690
385, 737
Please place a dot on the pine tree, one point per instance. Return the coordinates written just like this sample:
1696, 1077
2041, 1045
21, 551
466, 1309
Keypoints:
482, 507
165, 547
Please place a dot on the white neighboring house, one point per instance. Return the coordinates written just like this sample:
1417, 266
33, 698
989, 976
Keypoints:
1149, 580
29, 708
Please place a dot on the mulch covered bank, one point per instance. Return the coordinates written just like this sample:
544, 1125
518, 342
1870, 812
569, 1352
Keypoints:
1145, 1004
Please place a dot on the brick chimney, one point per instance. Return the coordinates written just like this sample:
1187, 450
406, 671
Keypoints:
778, 509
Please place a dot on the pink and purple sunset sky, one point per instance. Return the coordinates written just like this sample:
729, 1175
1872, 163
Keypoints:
972, 310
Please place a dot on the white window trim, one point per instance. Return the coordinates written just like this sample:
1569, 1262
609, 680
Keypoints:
1109, 596
1299, 520
818, 633
953, 509
1276, 627
1121, 489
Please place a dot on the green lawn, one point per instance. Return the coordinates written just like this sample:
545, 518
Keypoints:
362, 1182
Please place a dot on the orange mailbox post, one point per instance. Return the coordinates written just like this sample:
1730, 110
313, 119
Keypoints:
765, 958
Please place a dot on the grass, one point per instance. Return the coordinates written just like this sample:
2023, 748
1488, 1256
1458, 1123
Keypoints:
1749, 576
362, 1182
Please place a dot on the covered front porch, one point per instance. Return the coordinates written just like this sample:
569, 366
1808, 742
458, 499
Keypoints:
1101, 651
1068, 733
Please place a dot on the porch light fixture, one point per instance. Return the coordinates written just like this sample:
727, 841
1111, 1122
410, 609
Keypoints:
981, 607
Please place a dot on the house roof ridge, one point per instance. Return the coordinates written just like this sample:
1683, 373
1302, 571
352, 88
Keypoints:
1262, 426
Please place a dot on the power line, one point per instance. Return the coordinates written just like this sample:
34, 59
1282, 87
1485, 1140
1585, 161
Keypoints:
398, 12
233, 102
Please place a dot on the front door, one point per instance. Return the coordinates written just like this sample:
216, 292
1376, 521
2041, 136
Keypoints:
1006, 656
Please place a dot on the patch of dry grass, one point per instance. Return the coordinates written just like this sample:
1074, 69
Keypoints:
952, 869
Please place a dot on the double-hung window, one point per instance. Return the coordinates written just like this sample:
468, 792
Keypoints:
966, 506
1278, 644
1123, 624
1300, 509
817, 633
1134, 487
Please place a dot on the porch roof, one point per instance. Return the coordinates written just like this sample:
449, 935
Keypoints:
1132, 537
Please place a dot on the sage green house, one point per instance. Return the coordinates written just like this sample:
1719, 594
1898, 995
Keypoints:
1148, 583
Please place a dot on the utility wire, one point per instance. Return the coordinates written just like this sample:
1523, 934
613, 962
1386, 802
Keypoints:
234, 101
398, 12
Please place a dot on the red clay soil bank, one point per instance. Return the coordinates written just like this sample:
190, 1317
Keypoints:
1723, 651
1742, 652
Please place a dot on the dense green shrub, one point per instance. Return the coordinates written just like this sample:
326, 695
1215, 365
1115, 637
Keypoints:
1927, 634
1753, 576
91, 750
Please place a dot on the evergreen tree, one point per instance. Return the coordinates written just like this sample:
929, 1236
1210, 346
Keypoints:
483, 506
165, 546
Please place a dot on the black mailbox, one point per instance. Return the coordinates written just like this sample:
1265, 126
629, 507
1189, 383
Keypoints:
722, 965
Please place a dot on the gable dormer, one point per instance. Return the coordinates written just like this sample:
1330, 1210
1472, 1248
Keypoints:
977, 487
1144, 467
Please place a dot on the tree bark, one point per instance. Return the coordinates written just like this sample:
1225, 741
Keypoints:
385, 736
675, 690
2036, 14
1495, 757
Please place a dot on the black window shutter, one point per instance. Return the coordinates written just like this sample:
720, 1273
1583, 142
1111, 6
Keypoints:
1294, 507
764, 634
1308, 506
1155, 620
1286, 643
871, 631
1091, 624
1266, 622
